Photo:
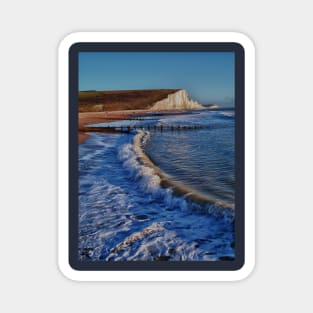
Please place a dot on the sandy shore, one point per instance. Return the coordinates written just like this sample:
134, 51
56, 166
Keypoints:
88, 118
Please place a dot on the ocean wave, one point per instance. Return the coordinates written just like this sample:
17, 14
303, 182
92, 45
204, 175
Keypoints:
228, 114
158, 185
126, 212
156, 243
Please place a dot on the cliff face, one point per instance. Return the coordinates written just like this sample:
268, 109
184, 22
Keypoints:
176, 101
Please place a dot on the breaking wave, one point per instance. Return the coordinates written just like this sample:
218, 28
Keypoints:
150, 179
132, 209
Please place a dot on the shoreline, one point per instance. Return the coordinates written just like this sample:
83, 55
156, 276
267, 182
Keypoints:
139, 141
167, 182
87, 118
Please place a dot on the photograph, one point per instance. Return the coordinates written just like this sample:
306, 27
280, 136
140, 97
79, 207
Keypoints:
156, 156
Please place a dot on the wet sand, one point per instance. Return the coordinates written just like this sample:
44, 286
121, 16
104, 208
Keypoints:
88, 118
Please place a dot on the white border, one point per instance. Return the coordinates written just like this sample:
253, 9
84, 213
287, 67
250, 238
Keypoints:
249, 156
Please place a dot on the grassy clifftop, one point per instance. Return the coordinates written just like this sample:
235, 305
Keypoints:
98, 101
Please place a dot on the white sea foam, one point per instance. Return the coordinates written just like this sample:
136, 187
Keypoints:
142, 175
126, 214
148, 180
228, 113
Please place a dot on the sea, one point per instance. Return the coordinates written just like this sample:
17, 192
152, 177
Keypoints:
159, 188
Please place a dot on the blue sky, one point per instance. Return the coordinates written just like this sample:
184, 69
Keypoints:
207, 76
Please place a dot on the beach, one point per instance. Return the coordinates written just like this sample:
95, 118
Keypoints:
88, 118
157, 186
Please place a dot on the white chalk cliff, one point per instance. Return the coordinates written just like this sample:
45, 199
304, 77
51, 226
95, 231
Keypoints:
178, 100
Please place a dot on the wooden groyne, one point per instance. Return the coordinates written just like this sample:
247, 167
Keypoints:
144, 127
